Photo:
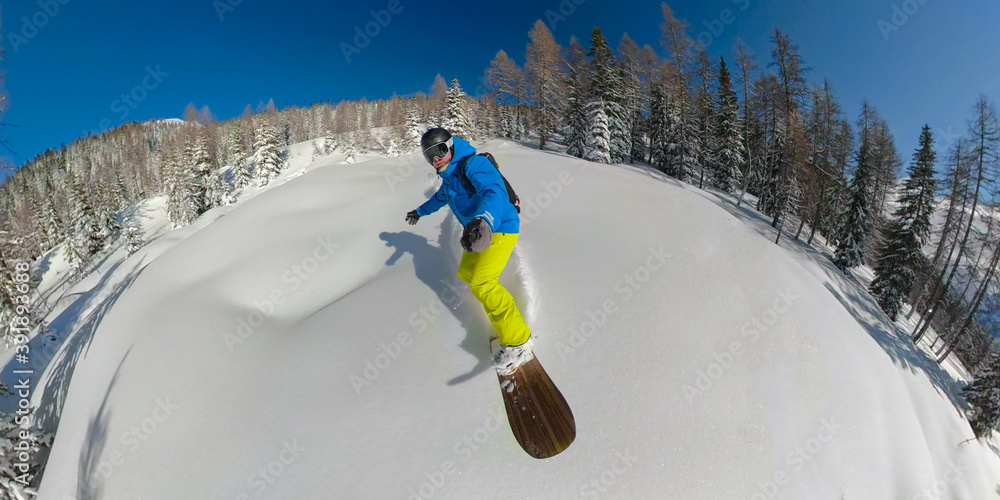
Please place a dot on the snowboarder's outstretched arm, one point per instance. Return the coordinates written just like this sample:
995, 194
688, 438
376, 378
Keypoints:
434, 204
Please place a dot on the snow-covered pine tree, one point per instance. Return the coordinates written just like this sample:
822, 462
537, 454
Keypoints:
179, 178
268, 161
390, 149
51, 222
983, 396
456, 116
85, 237
902, 253
773, 187
606, 88
414, 129
520, 122
111, 229
196, 152
350, 152
661, 123
363, 138
575, 114
506, 128
220, 189
598, 146
704, 114
728, 158
329, 142
683, 143
122, 198
317, 151
133, 235
241, 175
858, 222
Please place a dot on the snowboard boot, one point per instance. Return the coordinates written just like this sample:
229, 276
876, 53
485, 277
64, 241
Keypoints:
509, 357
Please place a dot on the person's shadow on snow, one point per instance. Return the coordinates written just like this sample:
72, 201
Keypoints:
435, 269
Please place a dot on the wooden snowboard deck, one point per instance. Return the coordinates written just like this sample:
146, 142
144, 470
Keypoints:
538, 414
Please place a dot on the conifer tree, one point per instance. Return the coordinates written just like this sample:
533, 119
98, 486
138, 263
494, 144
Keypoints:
902, 253
456, 116
350, 152
51, 222
728, 157
133, 235
197, 156
268, 161
662, 123
181, 205
858, 223
983, 396
605, 88
598, 146
575, 117
414, 130
85, 238
241, 175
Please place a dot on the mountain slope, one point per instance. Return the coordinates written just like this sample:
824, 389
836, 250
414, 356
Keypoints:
307, 343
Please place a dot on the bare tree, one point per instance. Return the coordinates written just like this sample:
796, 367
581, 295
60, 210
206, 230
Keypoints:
544, 72
745, 61
985, 133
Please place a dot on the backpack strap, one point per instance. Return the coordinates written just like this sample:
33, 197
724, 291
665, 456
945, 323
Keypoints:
464, 179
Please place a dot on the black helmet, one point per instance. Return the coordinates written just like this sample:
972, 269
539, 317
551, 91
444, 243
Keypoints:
436, 143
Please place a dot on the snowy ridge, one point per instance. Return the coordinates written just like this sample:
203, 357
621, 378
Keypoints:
307, 343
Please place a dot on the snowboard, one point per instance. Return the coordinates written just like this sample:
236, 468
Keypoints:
539, 417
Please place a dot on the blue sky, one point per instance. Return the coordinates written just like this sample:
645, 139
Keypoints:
68, 63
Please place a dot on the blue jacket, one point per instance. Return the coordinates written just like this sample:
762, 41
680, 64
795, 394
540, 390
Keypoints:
490, 201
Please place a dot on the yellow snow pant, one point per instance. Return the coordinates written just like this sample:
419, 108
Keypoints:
481, 270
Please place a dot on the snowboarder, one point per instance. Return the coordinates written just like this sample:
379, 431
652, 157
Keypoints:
491, 227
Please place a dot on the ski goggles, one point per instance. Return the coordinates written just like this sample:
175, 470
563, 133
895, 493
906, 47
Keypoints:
439, 150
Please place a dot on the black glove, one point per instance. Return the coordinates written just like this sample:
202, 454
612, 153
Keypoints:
477, 235
412, 217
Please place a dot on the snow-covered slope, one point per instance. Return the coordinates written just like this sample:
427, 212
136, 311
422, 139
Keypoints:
307, 343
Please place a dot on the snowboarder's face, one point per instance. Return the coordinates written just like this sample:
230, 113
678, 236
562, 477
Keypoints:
441, 161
